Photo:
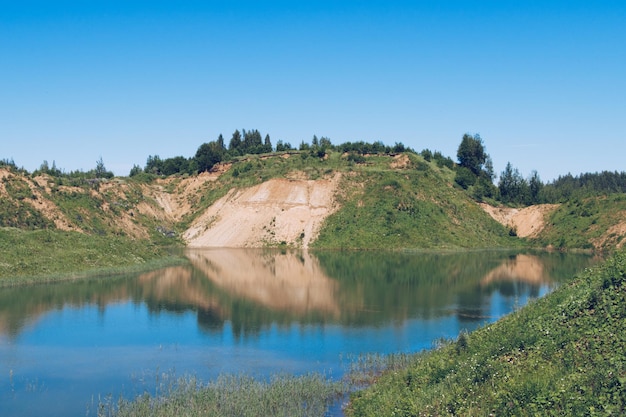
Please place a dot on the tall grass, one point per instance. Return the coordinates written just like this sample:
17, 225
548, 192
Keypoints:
243, 395
231, 395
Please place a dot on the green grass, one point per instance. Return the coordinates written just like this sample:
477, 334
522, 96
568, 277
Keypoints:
231, 395
409, 208
52, 255
243, 395
561, 355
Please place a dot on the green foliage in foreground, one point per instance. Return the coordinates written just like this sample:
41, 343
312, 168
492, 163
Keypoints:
232, 395
52, 255
562, 355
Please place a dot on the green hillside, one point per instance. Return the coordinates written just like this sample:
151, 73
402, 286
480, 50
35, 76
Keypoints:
385, 201
411, 205
587, 223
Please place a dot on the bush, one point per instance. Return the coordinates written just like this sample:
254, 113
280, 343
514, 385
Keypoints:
464, 177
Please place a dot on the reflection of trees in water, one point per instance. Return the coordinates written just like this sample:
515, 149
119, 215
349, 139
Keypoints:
422, 285
471, 303
21, 306
210, 319
252, 290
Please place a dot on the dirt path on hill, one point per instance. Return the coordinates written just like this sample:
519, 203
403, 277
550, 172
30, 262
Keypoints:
289, 211
527, 221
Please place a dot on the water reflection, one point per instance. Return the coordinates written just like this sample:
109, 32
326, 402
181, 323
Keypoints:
291, 282
524, 268
252, 311
253, 289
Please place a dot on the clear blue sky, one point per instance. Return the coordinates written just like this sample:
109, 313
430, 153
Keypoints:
542, 82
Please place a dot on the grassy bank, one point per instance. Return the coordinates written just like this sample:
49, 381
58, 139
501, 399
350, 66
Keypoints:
561, 355
51, 255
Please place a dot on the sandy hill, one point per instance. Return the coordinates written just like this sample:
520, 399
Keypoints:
287, 211
400, 200
277, 211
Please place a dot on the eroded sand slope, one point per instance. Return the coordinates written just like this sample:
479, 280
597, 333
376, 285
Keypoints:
527, 221
279, 210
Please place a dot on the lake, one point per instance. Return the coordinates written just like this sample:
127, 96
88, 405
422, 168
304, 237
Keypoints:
65, 347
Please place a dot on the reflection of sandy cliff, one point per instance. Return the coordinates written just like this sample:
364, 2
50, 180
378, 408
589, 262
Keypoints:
174, 285
524, 268
291, 281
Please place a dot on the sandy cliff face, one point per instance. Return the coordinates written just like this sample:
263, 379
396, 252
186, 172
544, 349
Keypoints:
527, 221
289, 211
279, 210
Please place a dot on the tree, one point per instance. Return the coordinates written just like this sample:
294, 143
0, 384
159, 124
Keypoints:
506, 185
325, 143
443, 161
399, 147
235, 142
154, 165
252, 142
464, 177
535, 186
484, 188
101, 171
135, 170
207, 155
471, 153
175, 165
283, 146
489, 172
267, 144
513, 187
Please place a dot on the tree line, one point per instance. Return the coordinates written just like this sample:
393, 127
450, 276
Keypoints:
474, 172
251, 142
473, 169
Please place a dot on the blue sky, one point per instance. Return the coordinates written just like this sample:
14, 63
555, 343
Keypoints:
542, 82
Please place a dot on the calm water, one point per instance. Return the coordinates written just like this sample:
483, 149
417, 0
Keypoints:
64, 346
